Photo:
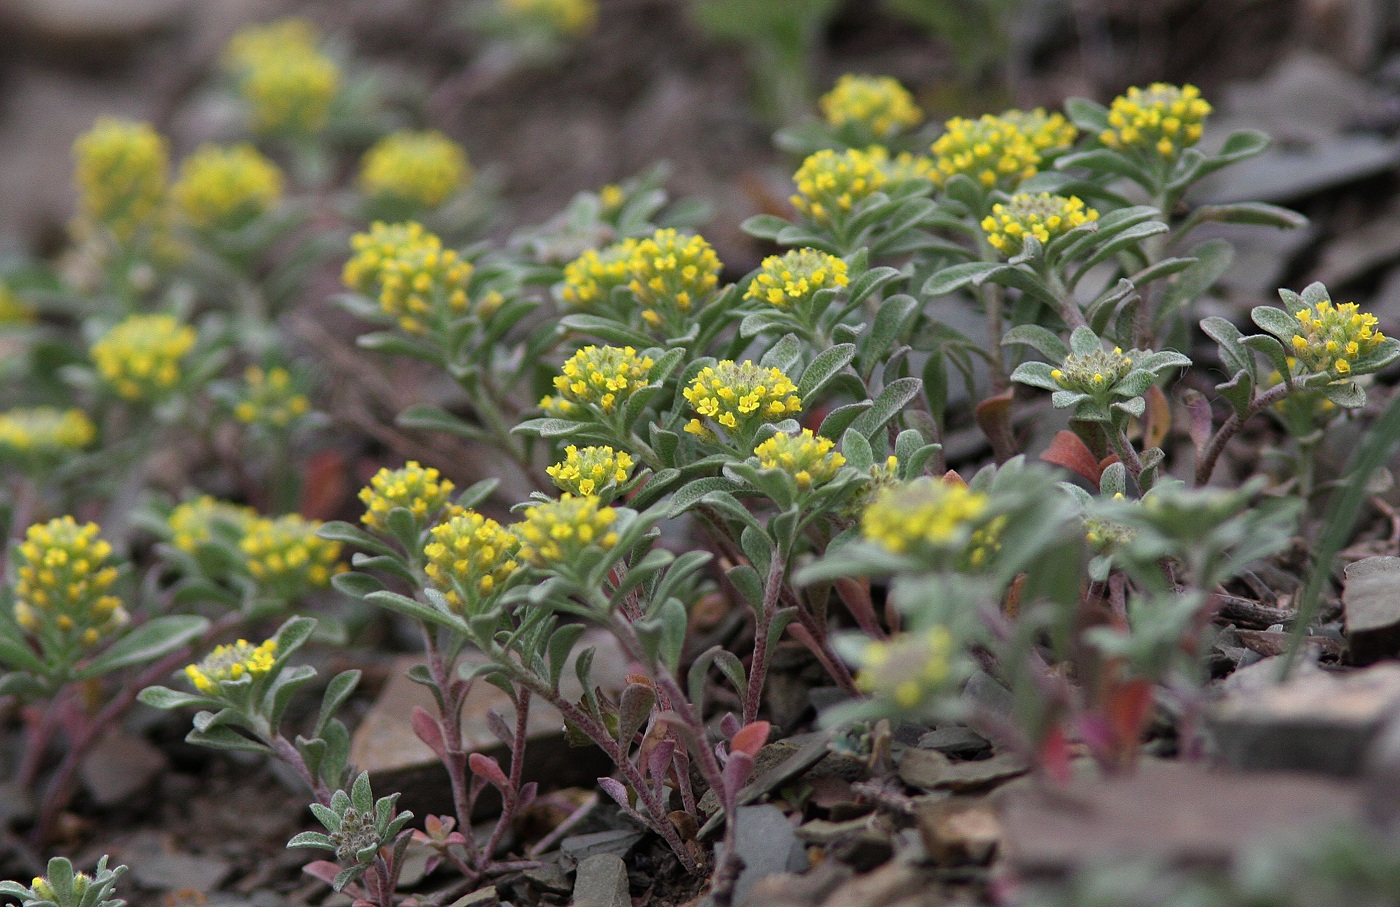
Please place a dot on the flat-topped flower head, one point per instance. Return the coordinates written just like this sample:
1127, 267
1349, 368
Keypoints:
568, 18
1043, 216
121, 173
920, 515
422, 492
1093, 373
226, 187
590, 279
556, 533
421, 168
992, 151
600, 376
1047, 132
200, 521
417, 281
470, 558
270, 397
232, 662
286, 557
670, 274
1333, 337
290, 92
831, 183
62, 583
1161, 118
740, 396
878, 104
908, 669
141, 357
810, 460
590, 470
13, 309
41, 433
252, 45
789, 280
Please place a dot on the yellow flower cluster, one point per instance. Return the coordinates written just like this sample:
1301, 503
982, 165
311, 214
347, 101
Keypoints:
923, 513
572, 18
907, 669
416, 279
557, 532
740, 396
903, 167
985, 542
121, 171
285, 554
1164, 118
232, 662
995, 151
470, 557
63, 577
1043, 216
792, 279
13, 310
591, 469
831, 183
270, 398
286, 80
140, 357
1333, 337
195, 522
877, 103
808, 459
44, 431
423, 168
1047, 132
601, 376
1093, 373
226, 187
670, 273
591, 278
422, 492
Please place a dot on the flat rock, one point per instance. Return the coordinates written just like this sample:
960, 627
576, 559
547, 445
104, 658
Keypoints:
790, 889
384, 743
92, 21
931, 770
961, 742
1371, 603
959, 831
1318, 722
601, 881
482, 897
1178, 813
156, 863
769, 845
617, 843
120, 765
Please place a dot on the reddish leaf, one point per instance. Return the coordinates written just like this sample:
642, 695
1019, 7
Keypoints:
1128, 708
1157, 420
729, 725
485, 767
1054, 754
1202, 419
324, 486
428, 730
324, 870
736, 772
1069, 450
750, 738
856, 595
993, 416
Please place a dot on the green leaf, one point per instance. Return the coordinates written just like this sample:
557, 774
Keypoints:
560, 646
15, 653
783, 355
165, 699
411, 607
822, 369
1276, 321
856, 449
764, 226
747, 581
337, 691
222, 737
339, 531
1038, 338
890, 402
690, 494
1213, 259
356, 585
1346, 394
1090, 116
841, 418
435, 418
1272, 350
1258, 213
954, 278
146, 643
1036, 374
1230, 341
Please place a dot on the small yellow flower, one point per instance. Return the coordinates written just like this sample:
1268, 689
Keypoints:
270, 398
470, 559
808, 459
996, 151
287, 82
907, 670
1043, 216
44, 432
122, 168
829, 183
232, 662
570, 18
740, 396
558, 532
1333, 337
1047, 132
790, 280
197, 522
601, 376
1161, 119
63, 578
252, 45
423, 168
285, 555
141, 357
670, 274
590, 470
876, 103
1093, 373
418, 282
591, 278
225, 188
422, 492
921, 514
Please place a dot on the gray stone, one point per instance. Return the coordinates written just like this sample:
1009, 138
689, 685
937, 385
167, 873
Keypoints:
156, 863
957, 741
931, 770
482, 897
617, 843
1371, 602
92, 21
1318, 722
601, 881
769, 845
120, 765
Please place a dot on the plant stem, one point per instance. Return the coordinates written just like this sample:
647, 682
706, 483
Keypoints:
758, 668
1205, 468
